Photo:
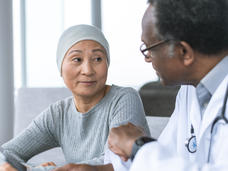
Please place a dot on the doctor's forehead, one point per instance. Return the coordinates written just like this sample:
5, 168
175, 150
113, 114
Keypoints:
148, 26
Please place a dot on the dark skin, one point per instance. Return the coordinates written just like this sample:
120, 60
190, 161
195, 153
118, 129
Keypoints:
183, 66
85, 167
128, 136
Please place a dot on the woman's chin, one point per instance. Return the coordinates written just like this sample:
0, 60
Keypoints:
87, 92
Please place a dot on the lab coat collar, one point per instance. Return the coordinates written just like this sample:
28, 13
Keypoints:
214, 107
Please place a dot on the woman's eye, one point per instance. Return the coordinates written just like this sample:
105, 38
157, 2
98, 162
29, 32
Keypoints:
98, 59
77, 59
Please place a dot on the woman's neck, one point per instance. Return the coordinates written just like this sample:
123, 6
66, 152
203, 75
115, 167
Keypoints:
84, 104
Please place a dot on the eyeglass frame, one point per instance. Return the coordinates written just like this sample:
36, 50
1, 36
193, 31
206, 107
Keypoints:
152, 46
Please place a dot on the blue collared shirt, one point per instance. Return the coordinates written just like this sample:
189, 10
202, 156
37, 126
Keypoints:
208, 85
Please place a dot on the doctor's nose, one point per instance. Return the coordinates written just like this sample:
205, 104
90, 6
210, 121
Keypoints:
148, 58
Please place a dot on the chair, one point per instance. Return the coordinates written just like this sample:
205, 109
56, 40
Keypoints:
29, 102
158, 100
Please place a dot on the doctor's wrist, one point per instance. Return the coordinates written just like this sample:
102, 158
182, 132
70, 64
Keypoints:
139, 142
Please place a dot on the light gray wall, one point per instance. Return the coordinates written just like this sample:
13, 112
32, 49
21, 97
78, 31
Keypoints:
6, 71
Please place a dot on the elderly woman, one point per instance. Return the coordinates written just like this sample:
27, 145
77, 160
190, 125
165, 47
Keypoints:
80, 124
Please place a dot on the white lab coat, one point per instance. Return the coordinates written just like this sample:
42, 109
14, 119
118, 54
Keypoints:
170, 153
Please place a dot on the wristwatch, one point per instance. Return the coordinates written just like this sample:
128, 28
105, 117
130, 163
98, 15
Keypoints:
138, 144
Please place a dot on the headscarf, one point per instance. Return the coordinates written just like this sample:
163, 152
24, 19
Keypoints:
78, 33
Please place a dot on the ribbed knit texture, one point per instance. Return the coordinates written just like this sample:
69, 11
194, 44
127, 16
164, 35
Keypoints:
83, 137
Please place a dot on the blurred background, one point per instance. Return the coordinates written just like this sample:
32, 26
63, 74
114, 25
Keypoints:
37, 25
29, 32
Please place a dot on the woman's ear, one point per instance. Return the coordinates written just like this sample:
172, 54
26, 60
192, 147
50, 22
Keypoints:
186, 53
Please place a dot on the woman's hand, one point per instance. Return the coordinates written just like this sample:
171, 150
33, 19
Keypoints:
7, 167
47, 164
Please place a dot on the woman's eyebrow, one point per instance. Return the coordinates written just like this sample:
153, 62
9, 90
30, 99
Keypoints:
98, 50
73, 51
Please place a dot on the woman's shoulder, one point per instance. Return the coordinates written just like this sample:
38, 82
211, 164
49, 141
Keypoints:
53, 115
63, 102
119, 90
118, 94
59, 107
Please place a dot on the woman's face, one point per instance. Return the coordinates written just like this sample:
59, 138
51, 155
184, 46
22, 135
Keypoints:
84, 68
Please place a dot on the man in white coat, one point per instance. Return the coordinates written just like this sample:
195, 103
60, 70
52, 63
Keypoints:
187, 43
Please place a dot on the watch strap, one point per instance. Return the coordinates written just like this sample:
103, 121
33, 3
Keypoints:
139, 142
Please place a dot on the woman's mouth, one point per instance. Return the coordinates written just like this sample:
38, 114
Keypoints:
87, 83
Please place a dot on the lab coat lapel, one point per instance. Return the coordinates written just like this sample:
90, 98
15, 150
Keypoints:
214, 107
195, 115
194, 119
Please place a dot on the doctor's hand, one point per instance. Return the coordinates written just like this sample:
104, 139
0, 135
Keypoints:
122, 138
85, 167
76, 167
6, 167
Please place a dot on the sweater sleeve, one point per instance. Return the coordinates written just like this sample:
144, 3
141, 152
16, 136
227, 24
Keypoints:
129, 108
126, 106
39, 136
95, 161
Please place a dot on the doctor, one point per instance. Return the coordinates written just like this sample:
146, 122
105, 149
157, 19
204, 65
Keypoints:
187, 43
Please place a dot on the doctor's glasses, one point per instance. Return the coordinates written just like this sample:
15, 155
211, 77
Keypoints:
146, 50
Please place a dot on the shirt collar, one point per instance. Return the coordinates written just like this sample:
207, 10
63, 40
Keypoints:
214, 77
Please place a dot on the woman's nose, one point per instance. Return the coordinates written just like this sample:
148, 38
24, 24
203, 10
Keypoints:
87, 68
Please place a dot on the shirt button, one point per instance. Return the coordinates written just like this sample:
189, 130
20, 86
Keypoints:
205, 105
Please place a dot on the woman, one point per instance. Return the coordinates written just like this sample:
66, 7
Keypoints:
80, 124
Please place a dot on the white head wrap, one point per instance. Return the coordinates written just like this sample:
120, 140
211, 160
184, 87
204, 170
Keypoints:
78, 33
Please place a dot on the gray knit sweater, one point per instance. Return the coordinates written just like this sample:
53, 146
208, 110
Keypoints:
82, 137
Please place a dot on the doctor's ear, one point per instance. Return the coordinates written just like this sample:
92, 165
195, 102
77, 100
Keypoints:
186, 53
